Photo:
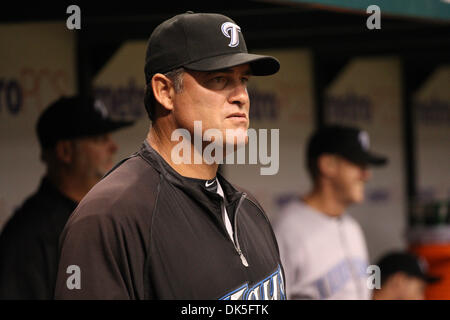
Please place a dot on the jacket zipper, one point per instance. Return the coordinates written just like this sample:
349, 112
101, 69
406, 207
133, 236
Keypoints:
235, 232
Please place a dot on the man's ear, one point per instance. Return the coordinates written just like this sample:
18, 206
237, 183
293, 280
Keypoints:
163, 90
64, 150
327, 164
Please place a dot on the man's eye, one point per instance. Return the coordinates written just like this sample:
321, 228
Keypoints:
218, 83
245, 80
219, 79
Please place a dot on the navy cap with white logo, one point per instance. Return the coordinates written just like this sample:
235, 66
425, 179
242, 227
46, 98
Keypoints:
349, 142
202, 42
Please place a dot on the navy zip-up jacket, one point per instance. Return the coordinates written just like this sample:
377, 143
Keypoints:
146, 232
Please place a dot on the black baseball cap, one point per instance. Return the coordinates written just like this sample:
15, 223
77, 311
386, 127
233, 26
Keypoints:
406, 262
74, 117
201, 42
348, 142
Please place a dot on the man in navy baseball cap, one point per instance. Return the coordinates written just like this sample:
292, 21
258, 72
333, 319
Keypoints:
77, 150
317, 237
351, 143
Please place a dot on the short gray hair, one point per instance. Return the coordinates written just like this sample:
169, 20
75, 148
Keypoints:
176, 76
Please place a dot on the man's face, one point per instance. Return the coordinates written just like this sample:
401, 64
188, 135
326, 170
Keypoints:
218, 99
349, 180
94, 157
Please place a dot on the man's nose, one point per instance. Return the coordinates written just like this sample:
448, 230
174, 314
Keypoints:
239, 95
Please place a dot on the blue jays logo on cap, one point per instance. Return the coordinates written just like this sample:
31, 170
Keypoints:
364, 140
100, 107
230, 30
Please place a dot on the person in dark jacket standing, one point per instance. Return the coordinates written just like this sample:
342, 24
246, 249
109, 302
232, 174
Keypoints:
77, 150
159, 228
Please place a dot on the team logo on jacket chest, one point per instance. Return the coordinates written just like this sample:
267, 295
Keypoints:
270, 288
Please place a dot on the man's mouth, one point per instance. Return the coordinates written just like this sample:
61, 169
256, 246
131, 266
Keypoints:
237, 116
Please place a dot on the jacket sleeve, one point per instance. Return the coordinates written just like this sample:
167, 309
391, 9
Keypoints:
101, 257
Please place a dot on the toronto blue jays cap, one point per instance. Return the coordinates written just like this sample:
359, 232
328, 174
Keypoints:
201, 42
74, 117
348, 142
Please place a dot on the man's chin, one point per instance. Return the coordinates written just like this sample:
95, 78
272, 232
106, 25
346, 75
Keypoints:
237, 141
233, 147
236, 135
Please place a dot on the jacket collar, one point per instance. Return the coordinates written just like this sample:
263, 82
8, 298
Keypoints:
47, 189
